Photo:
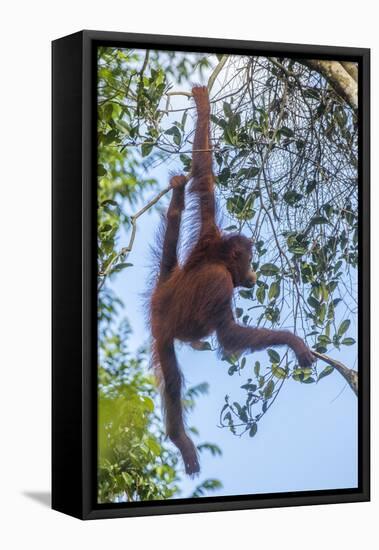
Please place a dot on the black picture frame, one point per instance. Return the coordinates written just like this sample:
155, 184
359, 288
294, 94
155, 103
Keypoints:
74, 332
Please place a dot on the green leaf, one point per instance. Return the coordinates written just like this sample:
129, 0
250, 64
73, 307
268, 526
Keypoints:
121, 266
312, 93
343, 327
269, 388
307, 371
253, 429
324, 292
257, 367
310, 186
324, 339
105, 228
298, 250
303, 375
109, 201
298, 376
127, 478
213, 449
249, 387
108, 110
321, 349
327, 370
273, 355
269, 270
243, 415
279, 372
287, 132
313, 302
174, 130
274, 290
227, 110
101, 171
248, 172
235, 204
292, 197
218, 121
239, 312
322, 312
309, 380
153, 446
149, 403
348, 341
252, 171
107, 245
260, 294
318, 220
146, 148
110, 137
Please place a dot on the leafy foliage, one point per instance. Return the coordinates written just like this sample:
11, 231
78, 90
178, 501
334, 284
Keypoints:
135, 460
286, 153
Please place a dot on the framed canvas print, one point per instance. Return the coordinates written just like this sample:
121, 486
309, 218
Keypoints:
210, 274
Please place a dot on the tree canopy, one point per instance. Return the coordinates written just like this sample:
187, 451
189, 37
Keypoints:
285, 146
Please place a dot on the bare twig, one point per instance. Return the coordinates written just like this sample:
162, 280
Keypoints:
217, 71
211, 79
125, 251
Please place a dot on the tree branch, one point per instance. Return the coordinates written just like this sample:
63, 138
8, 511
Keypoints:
186, 94
351, 68
350, 375
339, 78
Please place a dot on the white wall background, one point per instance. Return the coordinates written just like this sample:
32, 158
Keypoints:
27, 29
